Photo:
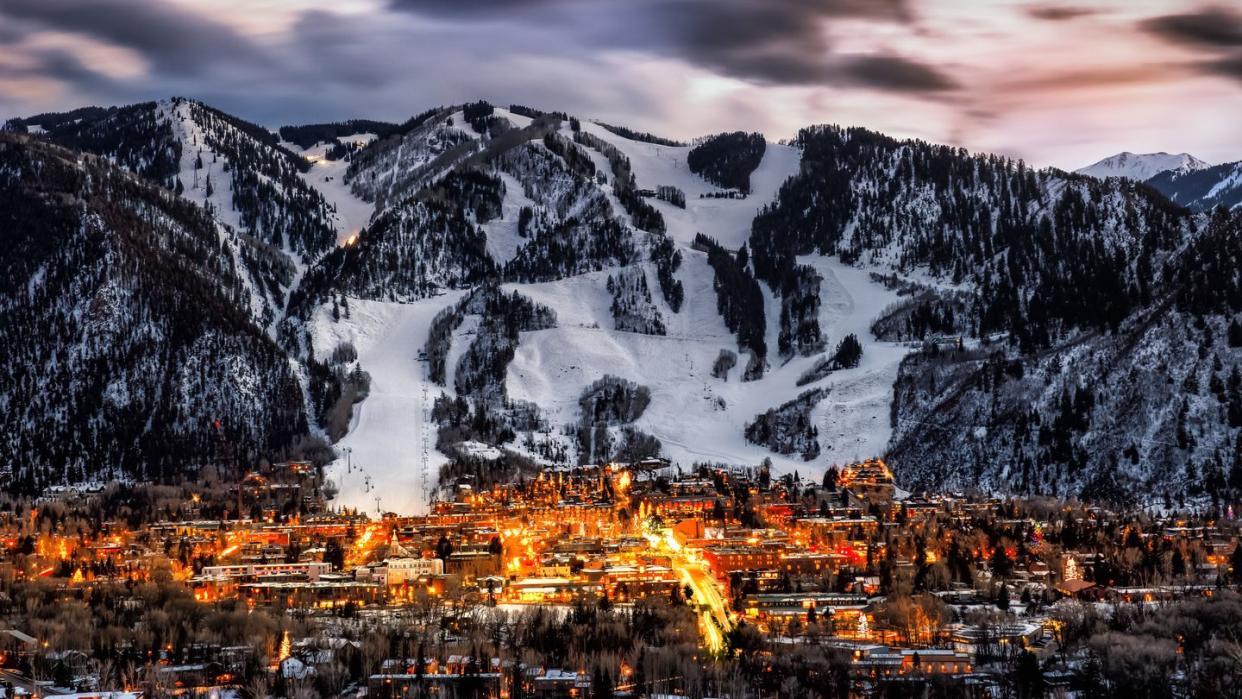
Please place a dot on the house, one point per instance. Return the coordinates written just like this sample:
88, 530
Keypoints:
1076, 588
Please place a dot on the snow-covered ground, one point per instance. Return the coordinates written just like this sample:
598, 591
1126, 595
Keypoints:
698, 417
391, 442
328, 177
726, 220
854, 420
1142, 166
214, 169
503, 241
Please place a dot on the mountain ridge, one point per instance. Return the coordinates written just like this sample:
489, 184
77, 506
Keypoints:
1142, 166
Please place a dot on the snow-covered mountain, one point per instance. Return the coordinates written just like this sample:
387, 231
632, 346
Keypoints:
1203, 190
1142, 166
131, 345
482, 291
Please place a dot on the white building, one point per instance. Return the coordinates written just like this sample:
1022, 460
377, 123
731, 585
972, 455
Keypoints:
400, 570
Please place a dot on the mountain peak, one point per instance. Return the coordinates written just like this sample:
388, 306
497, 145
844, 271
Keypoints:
1142, 166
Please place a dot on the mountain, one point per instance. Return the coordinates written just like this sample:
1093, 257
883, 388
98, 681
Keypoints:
1142, 166
1092, 371
239, 172
132, 348
482, 291
1205, 189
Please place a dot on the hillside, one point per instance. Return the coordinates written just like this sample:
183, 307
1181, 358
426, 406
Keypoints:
480, 290
132, 349
1202, 190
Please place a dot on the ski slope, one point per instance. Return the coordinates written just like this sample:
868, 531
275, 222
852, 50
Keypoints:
855, 419
503, 240
696, 417
391, 463
328, 177
726, 220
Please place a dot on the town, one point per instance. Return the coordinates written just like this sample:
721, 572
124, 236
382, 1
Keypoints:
611, 580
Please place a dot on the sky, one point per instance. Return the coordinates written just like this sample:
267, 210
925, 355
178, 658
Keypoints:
1056, 83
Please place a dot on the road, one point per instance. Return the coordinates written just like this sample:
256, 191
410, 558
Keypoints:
715, 620
19, 681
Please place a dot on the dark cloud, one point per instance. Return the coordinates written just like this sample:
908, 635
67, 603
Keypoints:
897, 74
475, 8
1060, 13
12, 32
775, 42
1226, 67
1207, 28
1213, 30
178, 40
56, 64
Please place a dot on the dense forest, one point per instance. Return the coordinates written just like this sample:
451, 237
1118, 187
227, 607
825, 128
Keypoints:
309, 135
409, 251
788, 429
132, 350
133, 136
1065, 265
740, 301
727, 159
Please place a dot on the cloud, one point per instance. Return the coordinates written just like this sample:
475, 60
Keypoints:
57, 64
474, 8
935, 70
767, 42
1207, 28
1225, 67
898, 74
174, 39
1212, 30
1060, 13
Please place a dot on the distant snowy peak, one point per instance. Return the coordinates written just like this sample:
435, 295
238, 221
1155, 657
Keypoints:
1142, 166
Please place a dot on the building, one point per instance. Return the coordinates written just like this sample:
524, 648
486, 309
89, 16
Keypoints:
397, 571
473, 564
726, 559
311, 571
868, 479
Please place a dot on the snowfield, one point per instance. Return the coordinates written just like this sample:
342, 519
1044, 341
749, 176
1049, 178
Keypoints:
503, 240
390, 439
726, 220
698, 417
854, 420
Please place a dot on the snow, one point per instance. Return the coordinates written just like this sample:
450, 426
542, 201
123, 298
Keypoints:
854, 420
192, 139
517, 120
726, 220
462, 337
503, 241
552, 367
353, 213
194, 181
390, 433
1226, 183
1142, 166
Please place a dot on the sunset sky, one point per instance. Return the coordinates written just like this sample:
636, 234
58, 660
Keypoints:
1056, 83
